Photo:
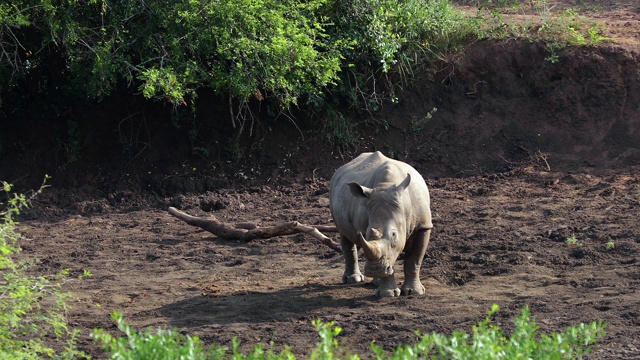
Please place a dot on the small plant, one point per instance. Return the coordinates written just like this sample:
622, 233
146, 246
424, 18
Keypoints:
70, 145
234, 148
552, 48
571, 241
340, 132
594, 35
610, 245
202, 151
418, 124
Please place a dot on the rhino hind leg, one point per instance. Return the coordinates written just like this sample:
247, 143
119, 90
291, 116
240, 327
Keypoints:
352, 274
413, 263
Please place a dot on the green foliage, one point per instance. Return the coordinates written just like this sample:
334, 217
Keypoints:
328, 55
358, 52
169, 49
610, 245
161, 344
572, 29
338, 131
202, 151
70, 146
572, 241
418, 124
32, 309
171, 344
381, 29
328, 347
390, 42
486, 341
233, 149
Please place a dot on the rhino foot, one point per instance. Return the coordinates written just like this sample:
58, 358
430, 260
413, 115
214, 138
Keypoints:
413, 289
352, 278
387, 292
387, 287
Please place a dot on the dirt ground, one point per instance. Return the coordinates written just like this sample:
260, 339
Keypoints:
536, 154
498, 239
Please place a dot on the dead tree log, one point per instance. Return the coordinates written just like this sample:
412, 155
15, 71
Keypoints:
248, 231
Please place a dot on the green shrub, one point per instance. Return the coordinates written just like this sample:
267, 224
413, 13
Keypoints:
486, 341
32, 308
169, 49
391, 41
279, 52
171, 344
161, 344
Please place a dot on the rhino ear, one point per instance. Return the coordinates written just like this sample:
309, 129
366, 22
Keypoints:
376, 234
405, 183
358, 190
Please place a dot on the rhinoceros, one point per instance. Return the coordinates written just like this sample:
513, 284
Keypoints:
382, 206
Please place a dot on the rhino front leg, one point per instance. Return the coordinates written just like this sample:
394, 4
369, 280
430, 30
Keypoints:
352, 272
413, 263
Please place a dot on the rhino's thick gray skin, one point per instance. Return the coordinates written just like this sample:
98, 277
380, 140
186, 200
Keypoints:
382, 206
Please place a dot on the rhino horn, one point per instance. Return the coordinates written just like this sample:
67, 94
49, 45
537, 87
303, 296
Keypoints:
371, 250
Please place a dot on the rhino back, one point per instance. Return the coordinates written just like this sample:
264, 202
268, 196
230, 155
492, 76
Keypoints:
373, 170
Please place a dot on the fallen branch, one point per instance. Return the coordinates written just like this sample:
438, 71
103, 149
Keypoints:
248, 231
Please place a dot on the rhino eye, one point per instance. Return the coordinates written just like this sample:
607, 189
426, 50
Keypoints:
394, 239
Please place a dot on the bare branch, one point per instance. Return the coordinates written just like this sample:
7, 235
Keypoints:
247, 232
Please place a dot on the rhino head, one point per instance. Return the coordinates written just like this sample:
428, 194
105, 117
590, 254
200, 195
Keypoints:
386, 232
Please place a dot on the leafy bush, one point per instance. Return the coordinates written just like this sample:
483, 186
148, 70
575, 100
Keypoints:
277, 51
32, 309
486, 341
391, 41
168, 49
